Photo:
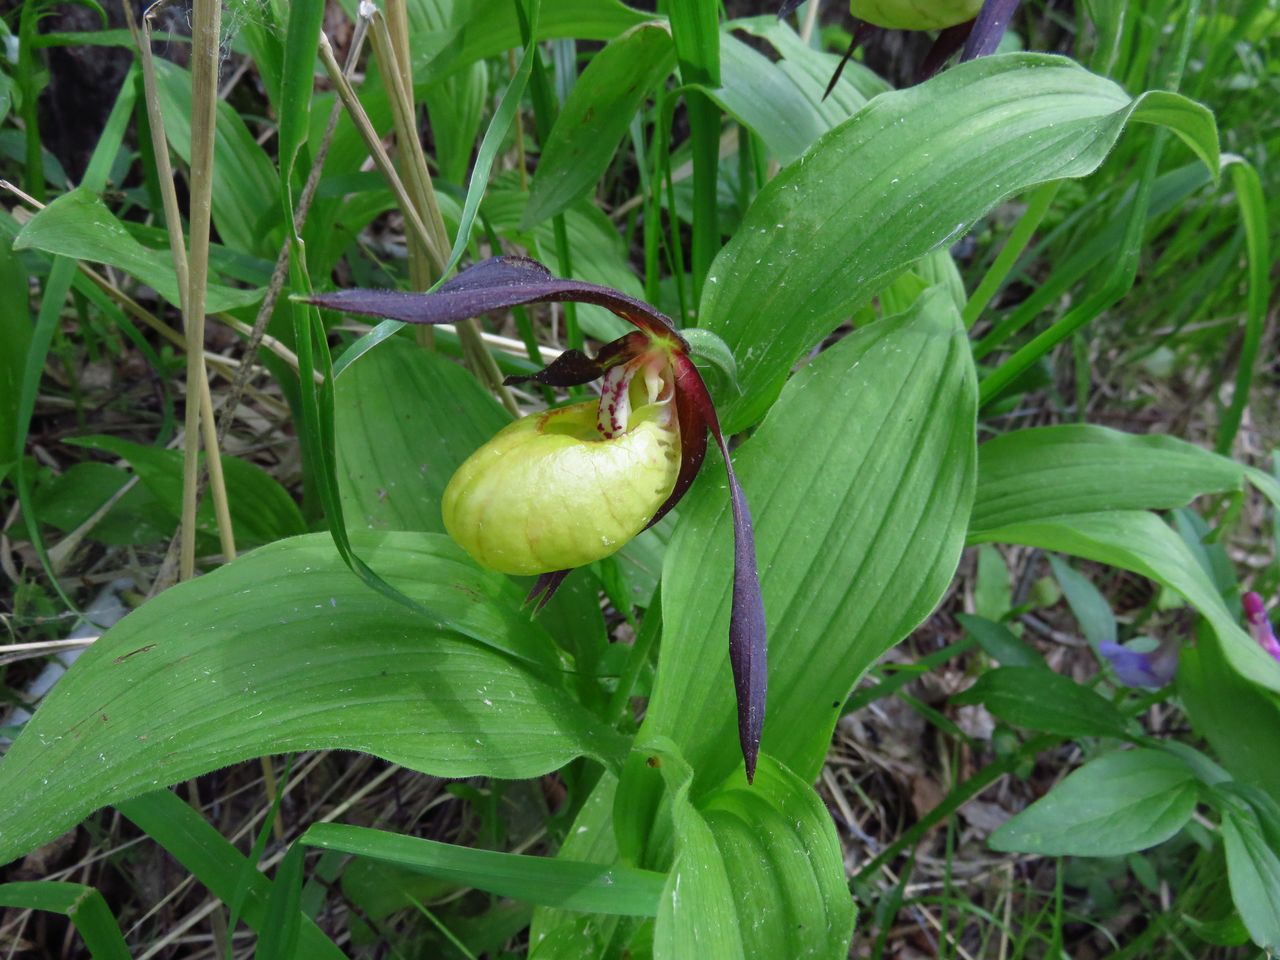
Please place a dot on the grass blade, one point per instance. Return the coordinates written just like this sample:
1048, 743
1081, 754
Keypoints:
195, 844
1253, 214
81, 904
565, 884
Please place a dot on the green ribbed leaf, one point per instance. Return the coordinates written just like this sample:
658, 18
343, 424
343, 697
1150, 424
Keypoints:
1056, 471
927, 161
758, 872
284, 650
595, 118
860, 482
79, 225
261, 509
1141, 542
1120, 803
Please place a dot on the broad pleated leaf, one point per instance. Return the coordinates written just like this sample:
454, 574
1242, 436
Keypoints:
1055, 471
595, 117
245, 181
696, 915
79, 225
1120, 803
758, 872
261, 509
486, 28
286, 650
1253, 869
69, 499
860, 481
405, 420
1140, 542
1221, 705
910, 172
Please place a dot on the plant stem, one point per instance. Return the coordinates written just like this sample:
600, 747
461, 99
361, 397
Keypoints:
173, 223
205, 30
1037, 206
373, 142
640, 652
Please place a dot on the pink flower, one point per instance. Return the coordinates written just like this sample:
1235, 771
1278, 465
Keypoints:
1255, 615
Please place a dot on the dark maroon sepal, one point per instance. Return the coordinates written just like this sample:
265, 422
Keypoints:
544, 588
494, 284
988, 28
944, 47
862, 31
693, 432
747, 632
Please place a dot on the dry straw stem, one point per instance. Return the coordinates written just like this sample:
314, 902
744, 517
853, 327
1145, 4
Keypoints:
195, 367
416, 200
371, 140
392, 53
391, 38
205, 29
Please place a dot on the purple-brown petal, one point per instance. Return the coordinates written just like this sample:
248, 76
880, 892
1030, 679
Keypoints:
747, 632
495, 284
988, 28
693, 432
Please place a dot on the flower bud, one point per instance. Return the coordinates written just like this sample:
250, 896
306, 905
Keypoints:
559, 489
915, 14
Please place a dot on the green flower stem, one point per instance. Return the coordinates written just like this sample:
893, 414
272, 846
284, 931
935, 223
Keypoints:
641, 650
704, 123
1037, 206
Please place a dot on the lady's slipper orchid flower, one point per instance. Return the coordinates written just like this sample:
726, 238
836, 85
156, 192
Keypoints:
567, 486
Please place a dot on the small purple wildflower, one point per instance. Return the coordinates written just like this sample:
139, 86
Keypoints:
1255, 615
1153, 669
